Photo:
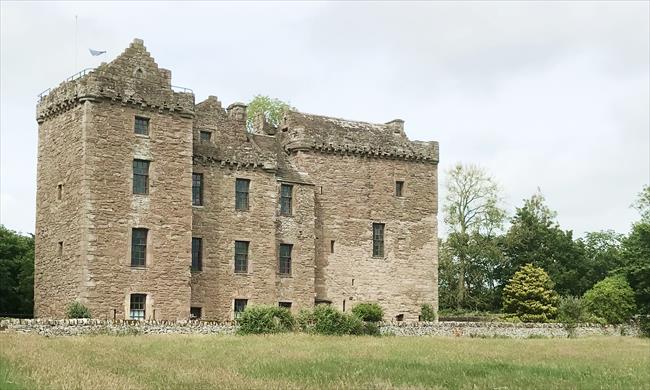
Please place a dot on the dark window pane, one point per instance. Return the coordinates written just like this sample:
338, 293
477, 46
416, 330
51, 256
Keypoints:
241, 194
285, 199
240, 306
205, 135
140, 176
197, 189
286, 305
399, 187
195, 313
285, 258
139, 247
141, 125
378, 239
241, 256
197, 255
137, 306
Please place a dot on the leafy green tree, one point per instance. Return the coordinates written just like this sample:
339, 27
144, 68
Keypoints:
473, 215
273, 110
530, 295
16, 273
535, 237
603, 254
611, 299
636, 253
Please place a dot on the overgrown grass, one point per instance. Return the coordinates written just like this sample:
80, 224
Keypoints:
298, 361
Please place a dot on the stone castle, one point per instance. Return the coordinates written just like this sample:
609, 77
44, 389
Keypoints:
150, 206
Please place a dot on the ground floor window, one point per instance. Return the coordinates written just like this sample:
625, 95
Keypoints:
286, 305
138, 304
240, 306
195, 313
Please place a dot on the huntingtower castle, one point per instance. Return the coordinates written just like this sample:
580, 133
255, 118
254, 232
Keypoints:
150, 206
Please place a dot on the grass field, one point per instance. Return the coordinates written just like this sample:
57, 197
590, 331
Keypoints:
315, 362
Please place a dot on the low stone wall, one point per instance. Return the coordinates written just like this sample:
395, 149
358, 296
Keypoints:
506, 329
119, 327
449, 329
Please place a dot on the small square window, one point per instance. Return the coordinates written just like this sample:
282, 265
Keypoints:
195, 313
240, 306
141, 125
205, 136
399, 188
138, 306
286, 305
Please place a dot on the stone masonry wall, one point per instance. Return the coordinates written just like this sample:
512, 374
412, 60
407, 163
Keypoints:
443, 329
61, 162
352, 193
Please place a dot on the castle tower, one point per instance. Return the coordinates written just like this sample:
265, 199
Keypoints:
114, 190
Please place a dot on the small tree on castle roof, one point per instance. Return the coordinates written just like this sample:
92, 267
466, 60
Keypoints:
273, 110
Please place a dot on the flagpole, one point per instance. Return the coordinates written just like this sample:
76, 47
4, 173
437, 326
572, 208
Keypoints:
76, 48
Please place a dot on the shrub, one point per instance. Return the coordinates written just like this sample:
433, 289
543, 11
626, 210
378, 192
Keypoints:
571, 310
265, 319
611, 299
325, 319
369, 312
427, 313
530, 295
77, 310
644, 326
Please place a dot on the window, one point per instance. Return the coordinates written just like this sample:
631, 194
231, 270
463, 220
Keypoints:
240, 306
197, 255
139, 247
197, 189
60, 248
285, 199
286, 305
241, 256
141, 125
378, 240
59, 191
399, 317
140, 176
399, 188
285, 259
332, 246
205, 136
138, 304
241, 194
195, 313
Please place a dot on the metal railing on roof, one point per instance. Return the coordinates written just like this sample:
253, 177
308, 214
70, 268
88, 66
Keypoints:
75, 76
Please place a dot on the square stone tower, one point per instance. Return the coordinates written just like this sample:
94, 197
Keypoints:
115, 160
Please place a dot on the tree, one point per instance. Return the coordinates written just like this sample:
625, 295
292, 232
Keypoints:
530, 295
535, 237
611, 299
636, 253
603, 254
16, 273
471, 211
273, 110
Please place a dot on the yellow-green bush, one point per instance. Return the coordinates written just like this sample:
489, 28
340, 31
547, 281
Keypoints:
530, 295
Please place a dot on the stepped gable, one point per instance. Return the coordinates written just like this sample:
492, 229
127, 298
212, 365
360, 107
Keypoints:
132, 78
335, 135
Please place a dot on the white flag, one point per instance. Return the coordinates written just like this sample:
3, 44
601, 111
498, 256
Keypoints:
96, 52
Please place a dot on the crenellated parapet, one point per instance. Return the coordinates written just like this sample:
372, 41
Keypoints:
339, 136
133, 78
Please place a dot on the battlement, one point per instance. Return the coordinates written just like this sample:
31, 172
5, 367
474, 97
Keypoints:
132, 78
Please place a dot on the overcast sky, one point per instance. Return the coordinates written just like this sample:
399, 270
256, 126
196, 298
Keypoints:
552, 95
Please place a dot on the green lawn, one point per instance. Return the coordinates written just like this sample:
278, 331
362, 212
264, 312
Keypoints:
314, 362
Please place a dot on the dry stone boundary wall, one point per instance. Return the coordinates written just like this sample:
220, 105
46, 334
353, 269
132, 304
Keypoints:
450, 329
